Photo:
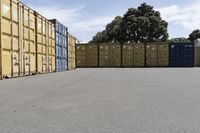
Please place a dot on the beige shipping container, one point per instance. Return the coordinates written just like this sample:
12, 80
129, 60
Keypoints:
127, 55
18, 47
104, 55
151, 54
45, 36
28, 45
163, 54
115, 55
10, 51
71, 52
51, 47
139, 55
92, 55
81, 55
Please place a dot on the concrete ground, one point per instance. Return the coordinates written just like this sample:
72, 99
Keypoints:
157, 100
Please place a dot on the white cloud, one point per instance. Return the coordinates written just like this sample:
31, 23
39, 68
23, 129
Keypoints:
188, 16
77, 21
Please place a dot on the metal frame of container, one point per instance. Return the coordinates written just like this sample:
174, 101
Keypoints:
61, 46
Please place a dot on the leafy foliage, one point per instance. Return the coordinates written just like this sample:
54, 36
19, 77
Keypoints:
143, 24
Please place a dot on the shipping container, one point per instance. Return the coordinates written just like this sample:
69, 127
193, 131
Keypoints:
43, 30
81, 54
61, 46
10, 51
104, 55
115, 55
151, 55
18, 46
71, 52
139, 55
197, 52
92, 55
127, 55
51, 48
181, 54
28, 44
163, 54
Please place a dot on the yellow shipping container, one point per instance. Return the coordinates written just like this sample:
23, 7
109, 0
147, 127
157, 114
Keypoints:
45, 36
92, 55
139, 55
18, 46
71, 52
28, 46
81, 55
163, 54
152, 54
104, 55
51, 47
127, 55
115, 55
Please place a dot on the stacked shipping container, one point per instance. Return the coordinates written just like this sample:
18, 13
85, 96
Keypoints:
61, 46
28, 41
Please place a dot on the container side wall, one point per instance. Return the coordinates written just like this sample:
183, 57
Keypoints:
127, 55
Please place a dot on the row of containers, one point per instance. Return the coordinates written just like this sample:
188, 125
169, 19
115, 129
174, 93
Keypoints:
31, 44
138, 55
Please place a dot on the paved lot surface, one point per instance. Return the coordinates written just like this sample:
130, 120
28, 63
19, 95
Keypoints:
103, 101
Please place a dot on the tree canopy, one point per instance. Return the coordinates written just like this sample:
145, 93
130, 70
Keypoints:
142, 24
194, 35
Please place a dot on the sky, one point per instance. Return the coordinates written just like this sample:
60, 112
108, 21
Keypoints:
84, 18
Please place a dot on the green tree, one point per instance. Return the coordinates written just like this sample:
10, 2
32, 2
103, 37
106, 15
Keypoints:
194, 35
100, 37
143, 24
179, 40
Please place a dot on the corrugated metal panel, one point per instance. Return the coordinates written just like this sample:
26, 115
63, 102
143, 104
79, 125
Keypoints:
92, 55
115, 55
181, 55
51, 47
61, 46
71, 52
104, 55
163, 54
45, 38
81, 55
139, 55
28, 46
10, 38
151, 55
127, 55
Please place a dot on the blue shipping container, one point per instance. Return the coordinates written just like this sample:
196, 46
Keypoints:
61, 46
181, 54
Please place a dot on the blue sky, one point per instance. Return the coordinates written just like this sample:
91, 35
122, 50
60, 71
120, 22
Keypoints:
86, 17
